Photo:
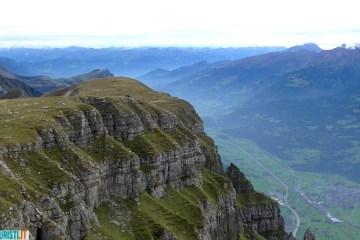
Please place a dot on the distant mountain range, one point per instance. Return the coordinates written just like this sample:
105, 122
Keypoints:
12, 86
45, 84
227, 73
16, 86
66, 62
159, 78
301, 74
301, 104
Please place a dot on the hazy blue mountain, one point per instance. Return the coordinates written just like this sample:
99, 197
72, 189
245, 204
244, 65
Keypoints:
309, 116
65, 62
45, 84
313, 47
12, 86
301, 105
9, 63
230, 83
252, 68
160, 78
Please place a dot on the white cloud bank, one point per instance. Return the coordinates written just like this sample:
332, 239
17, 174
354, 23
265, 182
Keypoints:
178, 22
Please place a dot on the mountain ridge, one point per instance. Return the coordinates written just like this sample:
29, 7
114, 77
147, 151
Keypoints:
259, 97
12, 86
116, 160
65, 62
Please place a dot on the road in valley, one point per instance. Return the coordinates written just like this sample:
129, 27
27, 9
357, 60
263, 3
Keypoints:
286, 193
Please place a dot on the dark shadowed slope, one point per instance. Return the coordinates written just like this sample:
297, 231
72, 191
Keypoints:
12, 86
45, 84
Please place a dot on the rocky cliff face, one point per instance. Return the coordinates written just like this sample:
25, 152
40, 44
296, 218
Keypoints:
309, 235
119, 161
258, 213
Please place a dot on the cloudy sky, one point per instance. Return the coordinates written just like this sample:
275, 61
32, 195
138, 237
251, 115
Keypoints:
178, 22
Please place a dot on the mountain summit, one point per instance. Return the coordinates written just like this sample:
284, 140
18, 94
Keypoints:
313, 47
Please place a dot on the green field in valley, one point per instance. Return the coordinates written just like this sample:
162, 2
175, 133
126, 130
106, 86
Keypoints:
313, 196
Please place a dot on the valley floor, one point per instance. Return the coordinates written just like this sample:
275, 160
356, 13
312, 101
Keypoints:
308, 200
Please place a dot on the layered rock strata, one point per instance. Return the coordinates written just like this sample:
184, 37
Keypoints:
123, 167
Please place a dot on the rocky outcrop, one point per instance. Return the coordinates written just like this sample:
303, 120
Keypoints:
264, 219
257, 212
241, 184
309, 235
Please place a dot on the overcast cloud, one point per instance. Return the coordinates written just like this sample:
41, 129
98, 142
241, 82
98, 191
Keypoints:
178, 22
